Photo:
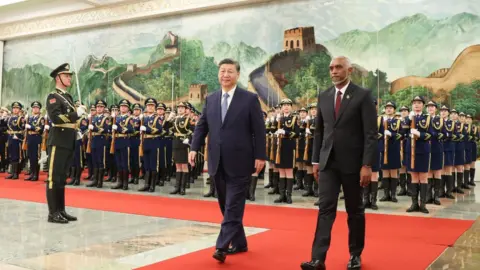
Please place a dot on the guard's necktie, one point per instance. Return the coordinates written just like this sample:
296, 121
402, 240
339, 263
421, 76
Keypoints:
224, 105
338, 102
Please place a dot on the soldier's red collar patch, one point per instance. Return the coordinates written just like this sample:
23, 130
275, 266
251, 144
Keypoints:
53, 100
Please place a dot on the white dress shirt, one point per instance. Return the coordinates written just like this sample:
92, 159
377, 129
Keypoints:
230, 96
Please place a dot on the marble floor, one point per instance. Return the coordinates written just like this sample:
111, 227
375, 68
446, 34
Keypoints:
109, 240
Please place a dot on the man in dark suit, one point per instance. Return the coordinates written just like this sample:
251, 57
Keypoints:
233, 119
343, 151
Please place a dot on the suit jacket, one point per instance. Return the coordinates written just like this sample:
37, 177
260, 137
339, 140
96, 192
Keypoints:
236, 142
350, 139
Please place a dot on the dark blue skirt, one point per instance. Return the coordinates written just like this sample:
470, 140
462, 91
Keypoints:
422, 163
436, 161
468, 156
394, 161
459, 158
377, 162
474, 152
448, 158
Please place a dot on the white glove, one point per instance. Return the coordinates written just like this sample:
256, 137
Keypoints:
81, 111
46, 127
171, 116
143, 128
90, 127
388, 133
278, 117
27, 126
308, 117
411, 114
114, 127
415, 132
280, 131
113, 114
15, 137
272, 119
307, 130
89, 115
185, 141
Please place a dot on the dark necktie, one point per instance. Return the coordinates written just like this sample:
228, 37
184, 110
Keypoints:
338, 102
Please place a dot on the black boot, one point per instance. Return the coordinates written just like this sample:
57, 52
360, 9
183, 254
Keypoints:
386, 190
472, 177
147, 184
125, 180
73, 172
185, 181
152, 185
253, 187
429, 198
13, 171
178, 182
403, 185
308, 185
94, 177
466, 179
136, 176
90, 174
270, 174
414, 189
54, 215
30, 176
282, 186
459, 177
441, 187
161, 177
211, 191
289, 191
393, 189
366, 196
436, 191
449, 183
78, 174
409, 184
119, 183
423, 198
275, 181
100, 178
300, 177
373, 195
61, 205
315, 187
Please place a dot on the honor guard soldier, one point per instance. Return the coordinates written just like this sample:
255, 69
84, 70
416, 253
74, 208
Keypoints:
436, 154
370, 192
16, 126
63, 115
77, 165
418, 145
88, 156
447, 181
459, 157
152, 128
99, 127
111, 165
468, 150
3, 139
268, 138
168, 146
135, 143
473, 138
405, 179
287, 133
391, 155
161, 165
181, 144
34, 128
121, 130
311, 184
300, 150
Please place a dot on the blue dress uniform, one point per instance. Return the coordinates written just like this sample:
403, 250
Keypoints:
459, 153
161, 168
34, 140
134, 145
101, 127
124, 124
446, 183
474, 139
436, 156
168, 147
16, 126
3, 141
77, 165
151, 139
311, 186
88, 156
300, 151
405, 178
111, 165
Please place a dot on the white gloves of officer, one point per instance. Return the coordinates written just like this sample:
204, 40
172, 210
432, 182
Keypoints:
280, 132
278, 117
171, 116
388, 133
114, 127
90, 127
415, 132
143, 128
27, 126
307, 130
47, 127
185, 141
81, 110
411, 114
113, 114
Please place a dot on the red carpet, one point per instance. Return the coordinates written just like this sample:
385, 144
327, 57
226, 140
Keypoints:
285, 245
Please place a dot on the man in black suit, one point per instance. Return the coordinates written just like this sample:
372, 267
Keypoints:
343, 151
233, 119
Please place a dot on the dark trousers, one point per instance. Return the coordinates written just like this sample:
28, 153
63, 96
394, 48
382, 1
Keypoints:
77, 156
59, 162
14, 149
99, 157
122, 159
329, 187
150, 159
231, 198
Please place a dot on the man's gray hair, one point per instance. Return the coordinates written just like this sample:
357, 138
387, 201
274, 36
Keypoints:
344, 58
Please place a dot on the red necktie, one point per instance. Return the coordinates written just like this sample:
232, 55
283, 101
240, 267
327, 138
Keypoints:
338, 102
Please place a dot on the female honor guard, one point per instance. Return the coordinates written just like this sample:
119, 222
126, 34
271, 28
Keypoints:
446, 184
418, 156
152, 128
468, 150
272, 128
182, 135
161, 146
392, 159
473, 141
100, 127
436, 156
405, 178
135, 143
121, 130
34, 128
459, 161
300, 150
285, 156
16, 126
311, 184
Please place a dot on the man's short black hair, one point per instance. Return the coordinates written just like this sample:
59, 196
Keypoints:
229, 61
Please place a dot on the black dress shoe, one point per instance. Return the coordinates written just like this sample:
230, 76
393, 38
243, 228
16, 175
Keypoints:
355, 262
57, 218
67, 216
236, 250
313, 265
220, 255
